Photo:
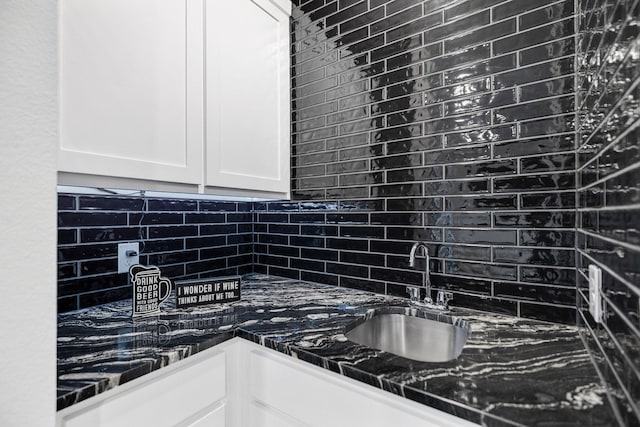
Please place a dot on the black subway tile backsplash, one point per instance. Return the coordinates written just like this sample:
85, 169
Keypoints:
185, 237
455, 125
608, 191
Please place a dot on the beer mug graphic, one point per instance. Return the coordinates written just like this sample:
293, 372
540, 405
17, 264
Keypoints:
150, 289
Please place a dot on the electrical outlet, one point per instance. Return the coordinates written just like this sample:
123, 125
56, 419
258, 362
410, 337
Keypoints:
595, 292
128, 255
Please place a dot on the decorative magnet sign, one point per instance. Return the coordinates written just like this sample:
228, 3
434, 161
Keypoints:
149, 289
192, 293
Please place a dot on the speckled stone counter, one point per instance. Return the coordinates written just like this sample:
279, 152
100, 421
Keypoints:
512, 371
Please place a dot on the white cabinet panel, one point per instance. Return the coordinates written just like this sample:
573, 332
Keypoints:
247, 95
318, 398
131, 89
214, 418
172, 396
263, 416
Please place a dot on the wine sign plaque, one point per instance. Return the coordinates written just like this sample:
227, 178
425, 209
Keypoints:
218, 290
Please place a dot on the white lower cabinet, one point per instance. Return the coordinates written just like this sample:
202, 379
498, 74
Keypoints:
242, 384
191, 392
283, 391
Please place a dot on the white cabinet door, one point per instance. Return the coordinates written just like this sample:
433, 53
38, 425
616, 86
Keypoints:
131, 89
247, 95
294, 393
189, 393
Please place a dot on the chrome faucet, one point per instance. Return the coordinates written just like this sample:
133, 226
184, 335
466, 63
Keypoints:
443, 297
427, 269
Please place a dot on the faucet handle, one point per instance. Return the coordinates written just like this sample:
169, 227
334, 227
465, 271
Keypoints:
414, 292
444, 297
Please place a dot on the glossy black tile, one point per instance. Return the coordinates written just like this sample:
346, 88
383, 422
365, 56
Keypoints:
450, 187
558, 181
544, 294
548, 200
466, 252
110, 203
492, 168
343, 4
547, 238
527, 147
415, 144
396, 190
414, 27
416, 115
483, 68
324, 11
352, 75
66, 237
398, 5
444, 157
363, 46
484, 270
80, 219
66, 202
556, 30
398, 161
460, 26
397, 75
363, 285
347, 141
554, 49
396, 19
457, 91
415, 174
494, 236
88, 235
546, 89
417, 203
458, 219
361, 258
362, 20
467, 7
347, 64
414, 55
553, 12
348, 13
536, 219
412, 218
482, 35
549, 257
66, 271
479, 102
480, 136
415, 234
463, 203
533, 73
549, 276
515, 7
273, 260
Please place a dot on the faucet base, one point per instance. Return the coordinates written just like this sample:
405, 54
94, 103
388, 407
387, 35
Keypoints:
429, 305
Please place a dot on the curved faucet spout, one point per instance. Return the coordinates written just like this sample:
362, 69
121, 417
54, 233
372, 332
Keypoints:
427, 270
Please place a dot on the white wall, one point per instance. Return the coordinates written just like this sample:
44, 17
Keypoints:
28, 127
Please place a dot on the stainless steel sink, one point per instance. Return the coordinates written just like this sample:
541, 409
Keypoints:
412, 337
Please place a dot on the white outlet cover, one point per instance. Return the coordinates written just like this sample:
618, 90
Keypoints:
595, 292
124, 261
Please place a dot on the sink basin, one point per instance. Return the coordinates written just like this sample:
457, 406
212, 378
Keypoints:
425, 340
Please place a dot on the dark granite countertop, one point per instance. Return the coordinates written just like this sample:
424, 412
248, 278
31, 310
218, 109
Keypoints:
512, 371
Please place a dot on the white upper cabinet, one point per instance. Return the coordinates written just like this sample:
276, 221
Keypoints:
178, 95
247, 95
